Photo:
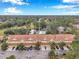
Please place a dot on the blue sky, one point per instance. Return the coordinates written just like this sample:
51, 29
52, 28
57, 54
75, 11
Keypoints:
39, 7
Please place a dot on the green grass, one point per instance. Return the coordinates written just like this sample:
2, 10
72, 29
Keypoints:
2, 31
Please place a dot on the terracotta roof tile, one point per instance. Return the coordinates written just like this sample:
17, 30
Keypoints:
55, 37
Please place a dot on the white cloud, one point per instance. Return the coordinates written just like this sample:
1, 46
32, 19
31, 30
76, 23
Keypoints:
61, 6
71, 1
74, 12
18, 2
12, 10
71, 13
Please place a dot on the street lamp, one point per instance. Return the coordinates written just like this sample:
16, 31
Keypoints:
39, 24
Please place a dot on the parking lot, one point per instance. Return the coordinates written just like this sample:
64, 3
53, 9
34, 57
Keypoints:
32, 54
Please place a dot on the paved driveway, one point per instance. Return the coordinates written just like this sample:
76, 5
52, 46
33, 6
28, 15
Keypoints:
33, 54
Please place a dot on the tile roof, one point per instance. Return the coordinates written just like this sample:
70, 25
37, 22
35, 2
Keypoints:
55, 37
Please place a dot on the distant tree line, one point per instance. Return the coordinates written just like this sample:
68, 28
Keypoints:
16, 31
49, 24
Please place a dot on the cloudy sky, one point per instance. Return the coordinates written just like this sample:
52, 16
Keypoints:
39, 7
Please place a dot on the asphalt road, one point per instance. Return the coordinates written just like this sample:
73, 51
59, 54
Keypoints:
33, 54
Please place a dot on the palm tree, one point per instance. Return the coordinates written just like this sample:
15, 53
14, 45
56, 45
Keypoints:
4, 46
4, 39
52, 55
61, 44
37, 45
52, 45
20, 47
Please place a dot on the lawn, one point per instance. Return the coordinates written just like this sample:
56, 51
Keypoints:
2, 31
